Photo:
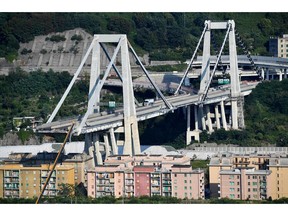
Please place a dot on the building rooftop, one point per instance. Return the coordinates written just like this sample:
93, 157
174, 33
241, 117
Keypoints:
278, 162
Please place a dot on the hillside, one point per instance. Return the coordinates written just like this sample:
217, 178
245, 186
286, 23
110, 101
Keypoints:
166, 36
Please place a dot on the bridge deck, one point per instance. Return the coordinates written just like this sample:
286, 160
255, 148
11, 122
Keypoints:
104, 121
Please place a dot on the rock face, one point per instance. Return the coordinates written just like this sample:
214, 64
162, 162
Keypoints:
65, 55
11, 139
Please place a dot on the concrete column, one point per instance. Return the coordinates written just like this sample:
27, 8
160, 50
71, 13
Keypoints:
267, 74
217, 117
196, 118
107, 147
262, 73
97, 149
188, 136
188, 117
209, 122
223, 117
113, 142
280, 75
202, 117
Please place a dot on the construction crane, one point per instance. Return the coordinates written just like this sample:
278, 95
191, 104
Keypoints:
55, 163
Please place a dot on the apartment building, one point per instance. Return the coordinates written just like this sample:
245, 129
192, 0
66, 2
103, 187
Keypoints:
278, 182
232, 161
23, 175
278, 46
146, 175
19, 181
243, 183
271, 171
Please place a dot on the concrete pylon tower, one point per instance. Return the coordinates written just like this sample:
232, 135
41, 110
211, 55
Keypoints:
132, 141
236, 105
206, 76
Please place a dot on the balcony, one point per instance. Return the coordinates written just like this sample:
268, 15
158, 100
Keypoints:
241, 162
129, 189
129, 182
129, 176
166, 177
11, 174
11, 180
156, 184
166, 189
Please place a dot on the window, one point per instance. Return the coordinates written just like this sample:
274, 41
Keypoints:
238, 196
248, 189
238, 183
185, 195
254, 177
248, 183
175, 194
34, 172
248, 177
238, 176
175, 187
185, 181
63, 172
254, 183
190, 194
278, 175
254, 189
232, 196
175, 175
185, 175
231, 189
190, 187
185, 188
231, 177
255, 196
27, 185
231, 183
238, 189
190, 181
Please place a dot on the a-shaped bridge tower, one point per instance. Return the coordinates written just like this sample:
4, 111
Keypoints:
207, 110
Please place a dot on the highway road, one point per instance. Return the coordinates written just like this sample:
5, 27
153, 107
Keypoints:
103, 121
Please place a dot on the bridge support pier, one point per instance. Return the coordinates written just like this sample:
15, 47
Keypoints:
107, 147
223, 117
267, 74
217, 117
92, 147
195, 133
113, 142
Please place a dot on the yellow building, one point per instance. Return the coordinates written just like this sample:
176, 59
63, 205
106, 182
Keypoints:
20, 181
278, 180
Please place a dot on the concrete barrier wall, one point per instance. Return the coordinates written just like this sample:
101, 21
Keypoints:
242, 150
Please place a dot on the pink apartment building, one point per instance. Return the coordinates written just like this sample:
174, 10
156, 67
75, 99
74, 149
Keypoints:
146, 175
244, 183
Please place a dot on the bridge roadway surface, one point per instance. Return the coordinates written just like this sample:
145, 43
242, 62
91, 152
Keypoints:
260, 61
104, 121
